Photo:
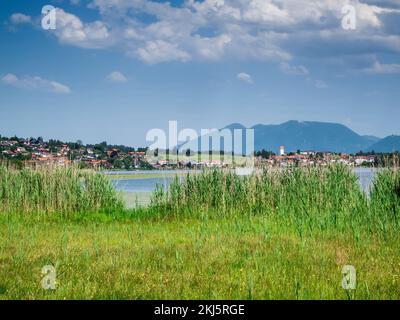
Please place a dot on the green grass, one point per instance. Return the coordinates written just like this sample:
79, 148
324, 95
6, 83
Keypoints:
229, 258
216, 236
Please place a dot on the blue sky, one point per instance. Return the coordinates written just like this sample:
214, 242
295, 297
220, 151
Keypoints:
112, 70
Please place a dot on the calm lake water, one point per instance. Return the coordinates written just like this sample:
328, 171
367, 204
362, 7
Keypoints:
137, 191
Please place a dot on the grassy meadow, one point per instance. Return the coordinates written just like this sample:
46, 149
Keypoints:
273, 235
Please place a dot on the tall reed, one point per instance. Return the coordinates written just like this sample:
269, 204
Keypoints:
308, 198
385, 201
55, 190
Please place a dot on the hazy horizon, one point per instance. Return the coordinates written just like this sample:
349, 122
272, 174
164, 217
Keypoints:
165, 128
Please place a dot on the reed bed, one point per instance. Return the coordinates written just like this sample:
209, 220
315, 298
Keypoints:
322, 198
55, 190
385, 201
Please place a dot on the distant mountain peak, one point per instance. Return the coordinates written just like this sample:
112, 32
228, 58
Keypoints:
314, 135
233, 126
310, 135
388, 144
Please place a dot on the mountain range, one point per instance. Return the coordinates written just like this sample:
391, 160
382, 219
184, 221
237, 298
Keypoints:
319, 136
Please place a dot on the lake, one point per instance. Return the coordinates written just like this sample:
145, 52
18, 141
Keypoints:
137, 191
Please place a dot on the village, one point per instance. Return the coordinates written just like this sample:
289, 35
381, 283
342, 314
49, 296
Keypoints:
312, 157
36, 151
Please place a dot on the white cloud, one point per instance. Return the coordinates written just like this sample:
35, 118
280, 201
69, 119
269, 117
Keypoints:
245, 77
35, 83
71, 30
320, 84
261, 11
117, 77
268, 30
379, 68
20, 18
293, 70
9, 79
56, 86
161, 51
211, 48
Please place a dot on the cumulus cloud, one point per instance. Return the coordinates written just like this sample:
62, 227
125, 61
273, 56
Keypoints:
245, 77
71, 30
383, 3
261, 11
211, 48
35, 83
20, 18
237, 29
161, 51
117, 77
